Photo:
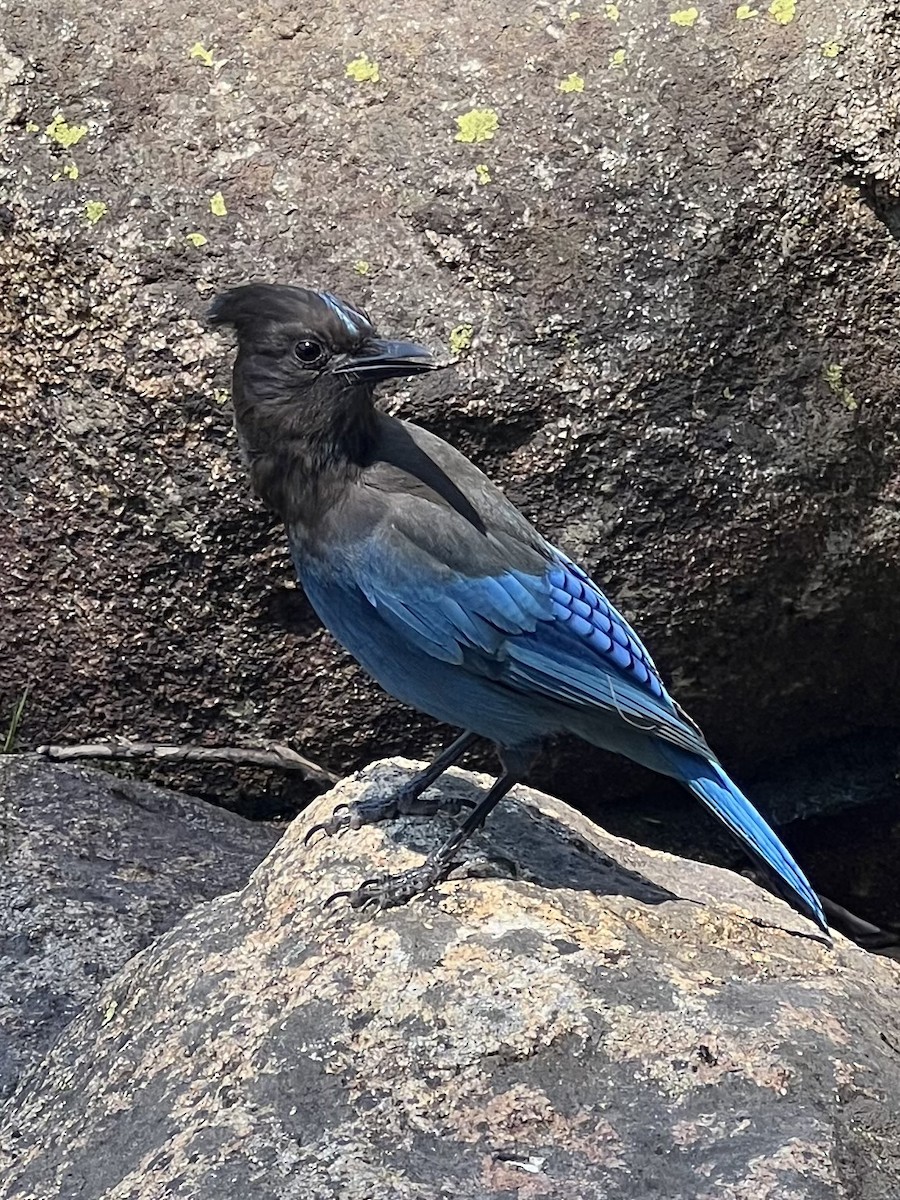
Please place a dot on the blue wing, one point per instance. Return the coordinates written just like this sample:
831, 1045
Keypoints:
553, 633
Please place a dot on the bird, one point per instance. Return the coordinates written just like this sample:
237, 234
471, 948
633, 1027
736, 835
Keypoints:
441, 588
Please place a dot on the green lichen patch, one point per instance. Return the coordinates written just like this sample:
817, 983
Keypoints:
573, 82
60, 131
95, 210
833, 374
684, 17
203, 56
461, 338
477, 125
783, 12
363, 70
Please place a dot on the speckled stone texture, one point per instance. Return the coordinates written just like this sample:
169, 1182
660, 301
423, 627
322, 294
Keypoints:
611, 1022
92, 869
674, 301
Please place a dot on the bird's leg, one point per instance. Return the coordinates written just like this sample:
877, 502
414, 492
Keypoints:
404, 801
392, 890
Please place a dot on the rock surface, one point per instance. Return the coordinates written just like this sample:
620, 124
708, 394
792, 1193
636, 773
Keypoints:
92, 869
672, 295
611, 1022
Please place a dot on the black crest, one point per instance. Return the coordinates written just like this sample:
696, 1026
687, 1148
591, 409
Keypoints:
255, 307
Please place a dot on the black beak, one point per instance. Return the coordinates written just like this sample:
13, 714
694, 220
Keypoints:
380, 359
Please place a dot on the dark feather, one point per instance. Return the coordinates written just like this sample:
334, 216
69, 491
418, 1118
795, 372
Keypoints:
255, 309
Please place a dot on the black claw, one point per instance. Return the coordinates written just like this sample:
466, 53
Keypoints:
341, 818
367, 883
359, 899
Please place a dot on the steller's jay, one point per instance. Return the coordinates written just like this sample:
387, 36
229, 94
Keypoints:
439, 587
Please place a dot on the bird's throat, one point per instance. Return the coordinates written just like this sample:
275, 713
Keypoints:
302, 455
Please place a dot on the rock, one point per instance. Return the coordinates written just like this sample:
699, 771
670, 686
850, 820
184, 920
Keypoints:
611, 1022
92, 869
671, 296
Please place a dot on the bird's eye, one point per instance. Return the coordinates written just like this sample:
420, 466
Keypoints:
309, 352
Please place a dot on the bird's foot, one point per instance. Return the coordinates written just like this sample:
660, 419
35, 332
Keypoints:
407, 801
391, 891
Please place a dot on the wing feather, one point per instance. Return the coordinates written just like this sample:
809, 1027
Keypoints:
549, 630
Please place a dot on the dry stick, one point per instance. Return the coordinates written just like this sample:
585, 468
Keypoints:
280, 757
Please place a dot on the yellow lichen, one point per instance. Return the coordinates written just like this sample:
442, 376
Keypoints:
833, 374
217, 205
69, 170
94, 210
783, 11
460, 338
198, 50
361, 267
477, 125
221, 395
574, 16
197, 239
611, 12
482, 173
363, 70
32, 127
831, 49
572, 83
617, 59
64, 134
745, 12
685, 17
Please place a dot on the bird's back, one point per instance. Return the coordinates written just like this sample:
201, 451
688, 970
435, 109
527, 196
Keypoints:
448, 508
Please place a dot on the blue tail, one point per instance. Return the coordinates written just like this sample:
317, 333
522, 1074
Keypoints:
710, 784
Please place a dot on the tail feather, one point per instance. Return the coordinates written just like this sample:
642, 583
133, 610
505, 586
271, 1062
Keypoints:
709, 783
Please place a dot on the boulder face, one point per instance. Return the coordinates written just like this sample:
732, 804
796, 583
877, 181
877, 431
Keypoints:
609, 1021
92, 869
661, 249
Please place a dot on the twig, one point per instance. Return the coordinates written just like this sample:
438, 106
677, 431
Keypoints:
281, 758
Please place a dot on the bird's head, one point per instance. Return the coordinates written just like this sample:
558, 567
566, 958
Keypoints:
303, 384
297, 345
